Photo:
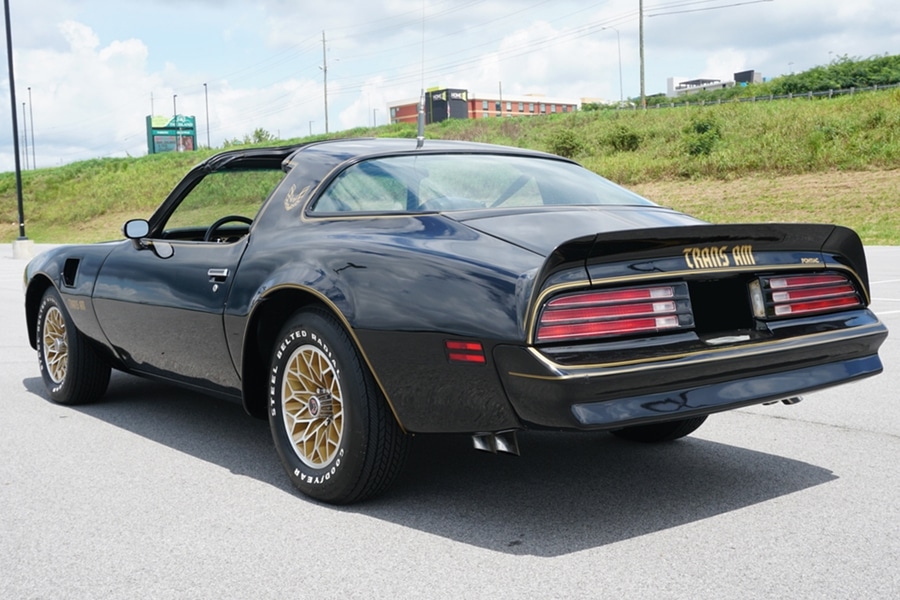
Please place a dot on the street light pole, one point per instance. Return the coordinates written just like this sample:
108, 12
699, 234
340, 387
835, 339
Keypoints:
15, 123
619, 45
325, 79
175, 121
206, 98
31, 118
25, 135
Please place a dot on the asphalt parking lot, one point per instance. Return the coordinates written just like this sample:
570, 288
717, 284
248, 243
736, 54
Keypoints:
161, 493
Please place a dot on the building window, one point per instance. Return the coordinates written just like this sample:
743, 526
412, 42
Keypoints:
484, 105
497, 106
553, 108
521, 107
543, 108
531, 107
393, 111
485, 114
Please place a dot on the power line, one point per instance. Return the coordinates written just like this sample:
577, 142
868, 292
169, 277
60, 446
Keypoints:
678, 12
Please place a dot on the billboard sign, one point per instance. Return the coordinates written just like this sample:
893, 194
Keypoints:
171, 134
446, 104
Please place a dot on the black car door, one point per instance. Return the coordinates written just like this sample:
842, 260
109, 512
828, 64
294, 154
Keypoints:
165, 315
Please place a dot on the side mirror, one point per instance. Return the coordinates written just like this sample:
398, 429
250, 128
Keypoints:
136, 229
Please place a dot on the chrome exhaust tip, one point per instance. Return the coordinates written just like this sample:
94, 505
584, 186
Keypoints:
502, 441
788, 401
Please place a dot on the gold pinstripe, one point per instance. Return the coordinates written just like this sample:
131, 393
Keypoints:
349, 329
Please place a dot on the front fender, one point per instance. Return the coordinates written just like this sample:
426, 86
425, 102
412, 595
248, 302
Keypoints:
72, 270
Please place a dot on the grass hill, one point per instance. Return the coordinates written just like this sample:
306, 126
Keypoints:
816, 160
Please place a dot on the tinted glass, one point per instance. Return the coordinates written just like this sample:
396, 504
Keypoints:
441, 182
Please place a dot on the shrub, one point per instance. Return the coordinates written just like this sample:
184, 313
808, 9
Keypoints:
701, 135
624, 139
566, 143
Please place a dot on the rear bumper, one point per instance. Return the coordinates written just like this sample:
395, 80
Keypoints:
546, 394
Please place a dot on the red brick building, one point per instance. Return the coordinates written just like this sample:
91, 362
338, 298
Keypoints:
441, 104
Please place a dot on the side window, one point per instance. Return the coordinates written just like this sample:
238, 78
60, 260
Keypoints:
364, 187
479, 182
434, 182
220, 194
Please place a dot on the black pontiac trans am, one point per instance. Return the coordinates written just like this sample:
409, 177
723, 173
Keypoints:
357, 292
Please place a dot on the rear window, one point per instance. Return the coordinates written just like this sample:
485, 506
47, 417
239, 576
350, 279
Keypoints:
446, 182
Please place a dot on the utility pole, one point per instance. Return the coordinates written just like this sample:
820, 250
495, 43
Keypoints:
325, 79
641, 20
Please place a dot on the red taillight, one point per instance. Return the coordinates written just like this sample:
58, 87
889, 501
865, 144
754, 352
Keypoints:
462, 351
798, 295
607, 313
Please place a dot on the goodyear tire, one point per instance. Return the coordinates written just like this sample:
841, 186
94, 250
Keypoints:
71, 370
333, 429
660, 432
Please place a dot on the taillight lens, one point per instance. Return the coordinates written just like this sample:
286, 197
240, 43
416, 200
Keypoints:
618, 312
800, 295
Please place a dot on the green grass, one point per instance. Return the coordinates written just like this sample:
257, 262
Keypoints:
690, 158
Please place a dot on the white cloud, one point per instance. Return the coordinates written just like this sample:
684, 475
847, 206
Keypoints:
94, 66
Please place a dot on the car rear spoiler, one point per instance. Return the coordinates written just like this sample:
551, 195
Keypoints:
724, 243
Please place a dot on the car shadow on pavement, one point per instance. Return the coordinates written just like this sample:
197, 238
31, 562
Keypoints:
208, 428
567, 492
573, 491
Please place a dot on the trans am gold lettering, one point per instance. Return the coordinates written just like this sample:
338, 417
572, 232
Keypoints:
709, 257
743, 255
717, 257
73, 304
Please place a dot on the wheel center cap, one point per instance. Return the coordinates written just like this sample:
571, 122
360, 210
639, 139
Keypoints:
320, 404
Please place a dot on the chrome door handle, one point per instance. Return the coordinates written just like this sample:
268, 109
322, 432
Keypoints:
218, 275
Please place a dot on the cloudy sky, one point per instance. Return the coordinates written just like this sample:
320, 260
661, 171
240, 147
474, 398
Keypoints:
97, 68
